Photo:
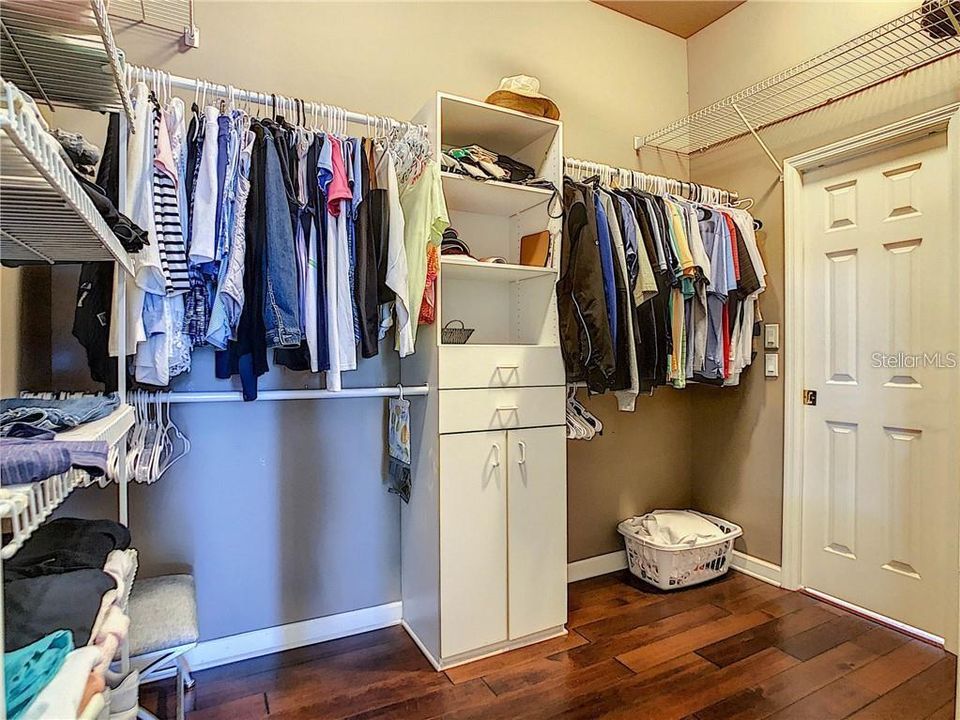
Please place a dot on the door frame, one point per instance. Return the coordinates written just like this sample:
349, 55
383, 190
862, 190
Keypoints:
948, 118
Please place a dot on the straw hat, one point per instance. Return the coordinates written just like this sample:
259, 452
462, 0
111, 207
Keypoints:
522, 93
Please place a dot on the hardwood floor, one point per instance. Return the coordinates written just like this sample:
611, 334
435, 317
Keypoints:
734, 648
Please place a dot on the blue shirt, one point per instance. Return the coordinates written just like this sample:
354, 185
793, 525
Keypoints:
606, 265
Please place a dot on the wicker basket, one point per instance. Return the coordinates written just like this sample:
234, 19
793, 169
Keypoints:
455, 335
670, 567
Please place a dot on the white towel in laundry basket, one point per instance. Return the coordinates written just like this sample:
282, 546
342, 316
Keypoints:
675, 527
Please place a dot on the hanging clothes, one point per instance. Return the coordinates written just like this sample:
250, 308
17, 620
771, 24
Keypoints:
654, 290
264, 235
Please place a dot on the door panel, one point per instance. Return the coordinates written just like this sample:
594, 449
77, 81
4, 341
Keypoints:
880, 518
473, 541
537, 544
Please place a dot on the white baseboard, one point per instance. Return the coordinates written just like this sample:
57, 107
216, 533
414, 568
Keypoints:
599, 565
756, 568
221, 651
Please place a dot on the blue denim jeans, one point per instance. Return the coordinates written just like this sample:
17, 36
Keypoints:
44, 414
281, 312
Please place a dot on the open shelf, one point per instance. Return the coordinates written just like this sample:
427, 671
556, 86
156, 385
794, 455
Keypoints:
26, 507
46, 214
881, 54
452, 267
508, 132
63, 53
490, 197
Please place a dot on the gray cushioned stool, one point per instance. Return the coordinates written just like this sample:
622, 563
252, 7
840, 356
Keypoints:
163, 626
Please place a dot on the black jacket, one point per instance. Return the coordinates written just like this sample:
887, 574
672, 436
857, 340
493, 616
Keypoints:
585, 337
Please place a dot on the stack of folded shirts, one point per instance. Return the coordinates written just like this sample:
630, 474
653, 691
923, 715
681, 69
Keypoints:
453, 245
64, 594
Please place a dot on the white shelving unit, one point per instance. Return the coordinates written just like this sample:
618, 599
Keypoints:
63, 53
26, 507
46, 214
483, 539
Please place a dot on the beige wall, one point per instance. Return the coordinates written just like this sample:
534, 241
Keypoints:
273, 510
738, 454
25, 357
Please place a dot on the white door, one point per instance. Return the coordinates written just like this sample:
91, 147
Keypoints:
880, 479
473, 541
537, 527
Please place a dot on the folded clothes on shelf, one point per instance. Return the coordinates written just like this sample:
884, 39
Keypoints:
67, 544
34, 607
54, 413
28, 459
483, 164
28, 670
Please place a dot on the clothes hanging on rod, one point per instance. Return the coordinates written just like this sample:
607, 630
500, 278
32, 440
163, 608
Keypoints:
655, 289
278, 233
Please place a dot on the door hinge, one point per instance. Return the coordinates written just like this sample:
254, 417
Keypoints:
809, 397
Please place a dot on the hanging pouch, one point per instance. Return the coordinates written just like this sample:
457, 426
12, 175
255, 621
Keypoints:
398, 471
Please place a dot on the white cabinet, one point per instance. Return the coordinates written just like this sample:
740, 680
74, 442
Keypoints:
484, 536
473, 541
503, 555
536, 529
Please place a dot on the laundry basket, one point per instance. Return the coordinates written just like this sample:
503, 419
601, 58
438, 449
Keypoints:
669, 567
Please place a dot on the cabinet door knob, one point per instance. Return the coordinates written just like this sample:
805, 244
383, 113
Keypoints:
496, 455
523, 452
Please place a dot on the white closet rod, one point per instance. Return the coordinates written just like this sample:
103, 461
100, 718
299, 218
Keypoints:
206, 397
637, 178
283, 103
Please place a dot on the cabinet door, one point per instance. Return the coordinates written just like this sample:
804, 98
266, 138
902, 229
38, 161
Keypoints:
537, 529
473, 541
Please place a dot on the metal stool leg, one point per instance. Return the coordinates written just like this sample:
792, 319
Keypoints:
180, 686
187, 676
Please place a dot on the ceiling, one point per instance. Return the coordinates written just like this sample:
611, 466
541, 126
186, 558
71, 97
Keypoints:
680, 17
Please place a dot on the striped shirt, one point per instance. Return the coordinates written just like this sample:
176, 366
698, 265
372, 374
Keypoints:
166, 207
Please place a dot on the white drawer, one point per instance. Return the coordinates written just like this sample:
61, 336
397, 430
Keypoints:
496, 409
466, 366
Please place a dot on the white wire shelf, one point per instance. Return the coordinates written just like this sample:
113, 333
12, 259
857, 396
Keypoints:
886, 52
62, 52
46, 214
26, 507
175, 15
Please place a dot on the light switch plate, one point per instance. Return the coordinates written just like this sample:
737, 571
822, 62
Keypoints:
771, 336
771, 365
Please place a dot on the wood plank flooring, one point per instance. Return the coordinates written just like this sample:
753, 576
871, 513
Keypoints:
735, 648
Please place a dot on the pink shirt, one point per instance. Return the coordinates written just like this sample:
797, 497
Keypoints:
339, 188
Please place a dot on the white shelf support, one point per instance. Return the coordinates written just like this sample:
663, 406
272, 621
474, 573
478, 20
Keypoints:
756, 136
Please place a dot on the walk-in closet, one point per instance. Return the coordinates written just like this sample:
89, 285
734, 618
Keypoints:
489, 360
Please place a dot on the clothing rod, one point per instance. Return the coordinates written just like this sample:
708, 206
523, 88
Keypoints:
590, 166
345, 393
283, 103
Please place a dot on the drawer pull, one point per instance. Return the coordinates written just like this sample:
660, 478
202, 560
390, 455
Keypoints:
507, 408
523, 452
508, 367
